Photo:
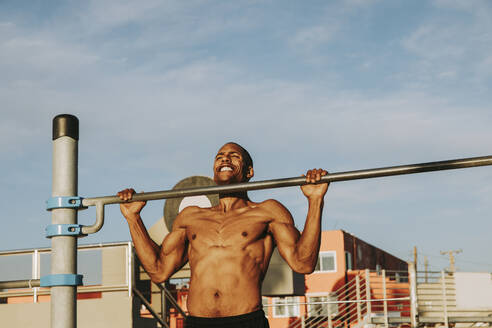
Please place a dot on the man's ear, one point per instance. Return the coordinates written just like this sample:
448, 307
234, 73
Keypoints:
250, 173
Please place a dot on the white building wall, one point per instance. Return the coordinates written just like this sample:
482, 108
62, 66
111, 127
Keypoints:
473, 290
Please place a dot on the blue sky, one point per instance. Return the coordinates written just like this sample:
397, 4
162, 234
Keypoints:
158, 86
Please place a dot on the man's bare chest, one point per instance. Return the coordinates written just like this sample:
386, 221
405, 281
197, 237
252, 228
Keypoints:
237, 228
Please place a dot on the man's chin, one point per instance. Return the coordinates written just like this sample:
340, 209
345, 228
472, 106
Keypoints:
223, 182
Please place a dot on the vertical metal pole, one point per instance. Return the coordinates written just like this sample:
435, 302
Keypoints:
64, 248
130, 269
412, 275
163, 305
385, 302
357, 289
35, 274
164, 302
415, 257
426, 263
368, 294
444, 299
328, 313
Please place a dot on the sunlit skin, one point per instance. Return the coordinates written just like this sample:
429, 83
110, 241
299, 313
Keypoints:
229, 246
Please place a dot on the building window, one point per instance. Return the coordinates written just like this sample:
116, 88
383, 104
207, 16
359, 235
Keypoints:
327, 262
348, 261
316, 308
284, 307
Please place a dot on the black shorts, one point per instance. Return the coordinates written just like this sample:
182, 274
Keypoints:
255, 319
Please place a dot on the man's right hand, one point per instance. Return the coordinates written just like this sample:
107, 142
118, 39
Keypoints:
130, 210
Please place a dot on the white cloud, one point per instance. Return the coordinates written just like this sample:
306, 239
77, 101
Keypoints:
436, 42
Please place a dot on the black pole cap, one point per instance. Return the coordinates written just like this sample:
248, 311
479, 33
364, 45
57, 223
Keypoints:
65, 125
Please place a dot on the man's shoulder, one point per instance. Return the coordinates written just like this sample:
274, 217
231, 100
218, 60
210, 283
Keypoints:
269, 202
273, 206
190, 210
187, 214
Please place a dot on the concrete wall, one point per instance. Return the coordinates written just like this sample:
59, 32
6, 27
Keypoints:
473, 290
92, 313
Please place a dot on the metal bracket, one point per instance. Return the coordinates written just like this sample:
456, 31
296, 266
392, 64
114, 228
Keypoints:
64, 202
68, 279
54, 230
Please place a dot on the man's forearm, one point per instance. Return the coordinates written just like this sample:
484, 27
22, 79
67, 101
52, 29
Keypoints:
307, 247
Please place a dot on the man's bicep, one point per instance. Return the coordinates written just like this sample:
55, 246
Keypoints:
174, 242
283, 230
174, 248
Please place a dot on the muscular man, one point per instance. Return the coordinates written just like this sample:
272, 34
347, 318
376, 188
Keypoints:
229, 246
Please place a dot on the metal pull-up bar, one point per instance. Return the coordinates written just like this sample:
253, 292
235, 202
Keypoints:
99, 202
298, 181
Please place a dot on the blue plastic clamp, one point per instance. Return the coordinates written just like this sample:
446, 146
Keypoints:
68, 279
64, 202
54, 230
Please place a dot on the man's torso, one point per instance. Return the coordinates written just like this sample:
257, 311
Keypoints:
228, 254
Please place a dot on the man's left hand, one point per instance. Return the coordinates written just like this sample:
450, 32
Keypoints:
314, 189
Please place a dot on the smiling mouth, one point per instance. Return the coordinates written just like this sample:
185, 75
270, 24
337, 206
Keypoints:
225, 168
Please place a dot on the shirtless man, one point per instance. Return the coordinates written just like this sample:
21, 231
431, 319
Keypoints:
229, 246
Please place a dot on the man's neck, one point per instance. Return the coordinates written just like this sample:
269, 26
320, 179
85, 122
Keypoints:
232, 201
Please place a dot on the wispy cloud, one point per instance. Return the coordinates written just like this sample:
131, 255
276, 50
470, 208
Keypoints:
451, 48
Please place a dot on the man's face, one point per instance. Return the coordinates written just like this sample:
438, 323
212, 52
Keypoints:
229, 166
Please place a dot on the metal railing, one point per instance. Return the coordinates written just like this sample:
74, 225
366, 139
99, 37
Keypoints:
392, 298
36, 266
437, 301
31, 287
166, 297
368, 296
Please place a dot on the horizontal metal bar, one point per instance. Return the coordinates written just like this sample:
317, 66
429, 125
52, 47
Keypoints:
30, 283
48, 249
297, 181
340, 302
469, 319
80, 290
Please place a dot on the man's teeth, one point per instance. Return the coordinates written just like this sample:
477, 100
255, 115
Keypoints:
225, 168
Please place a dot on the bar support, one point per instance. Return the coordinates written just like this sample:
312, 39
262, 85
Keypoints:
64, 248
